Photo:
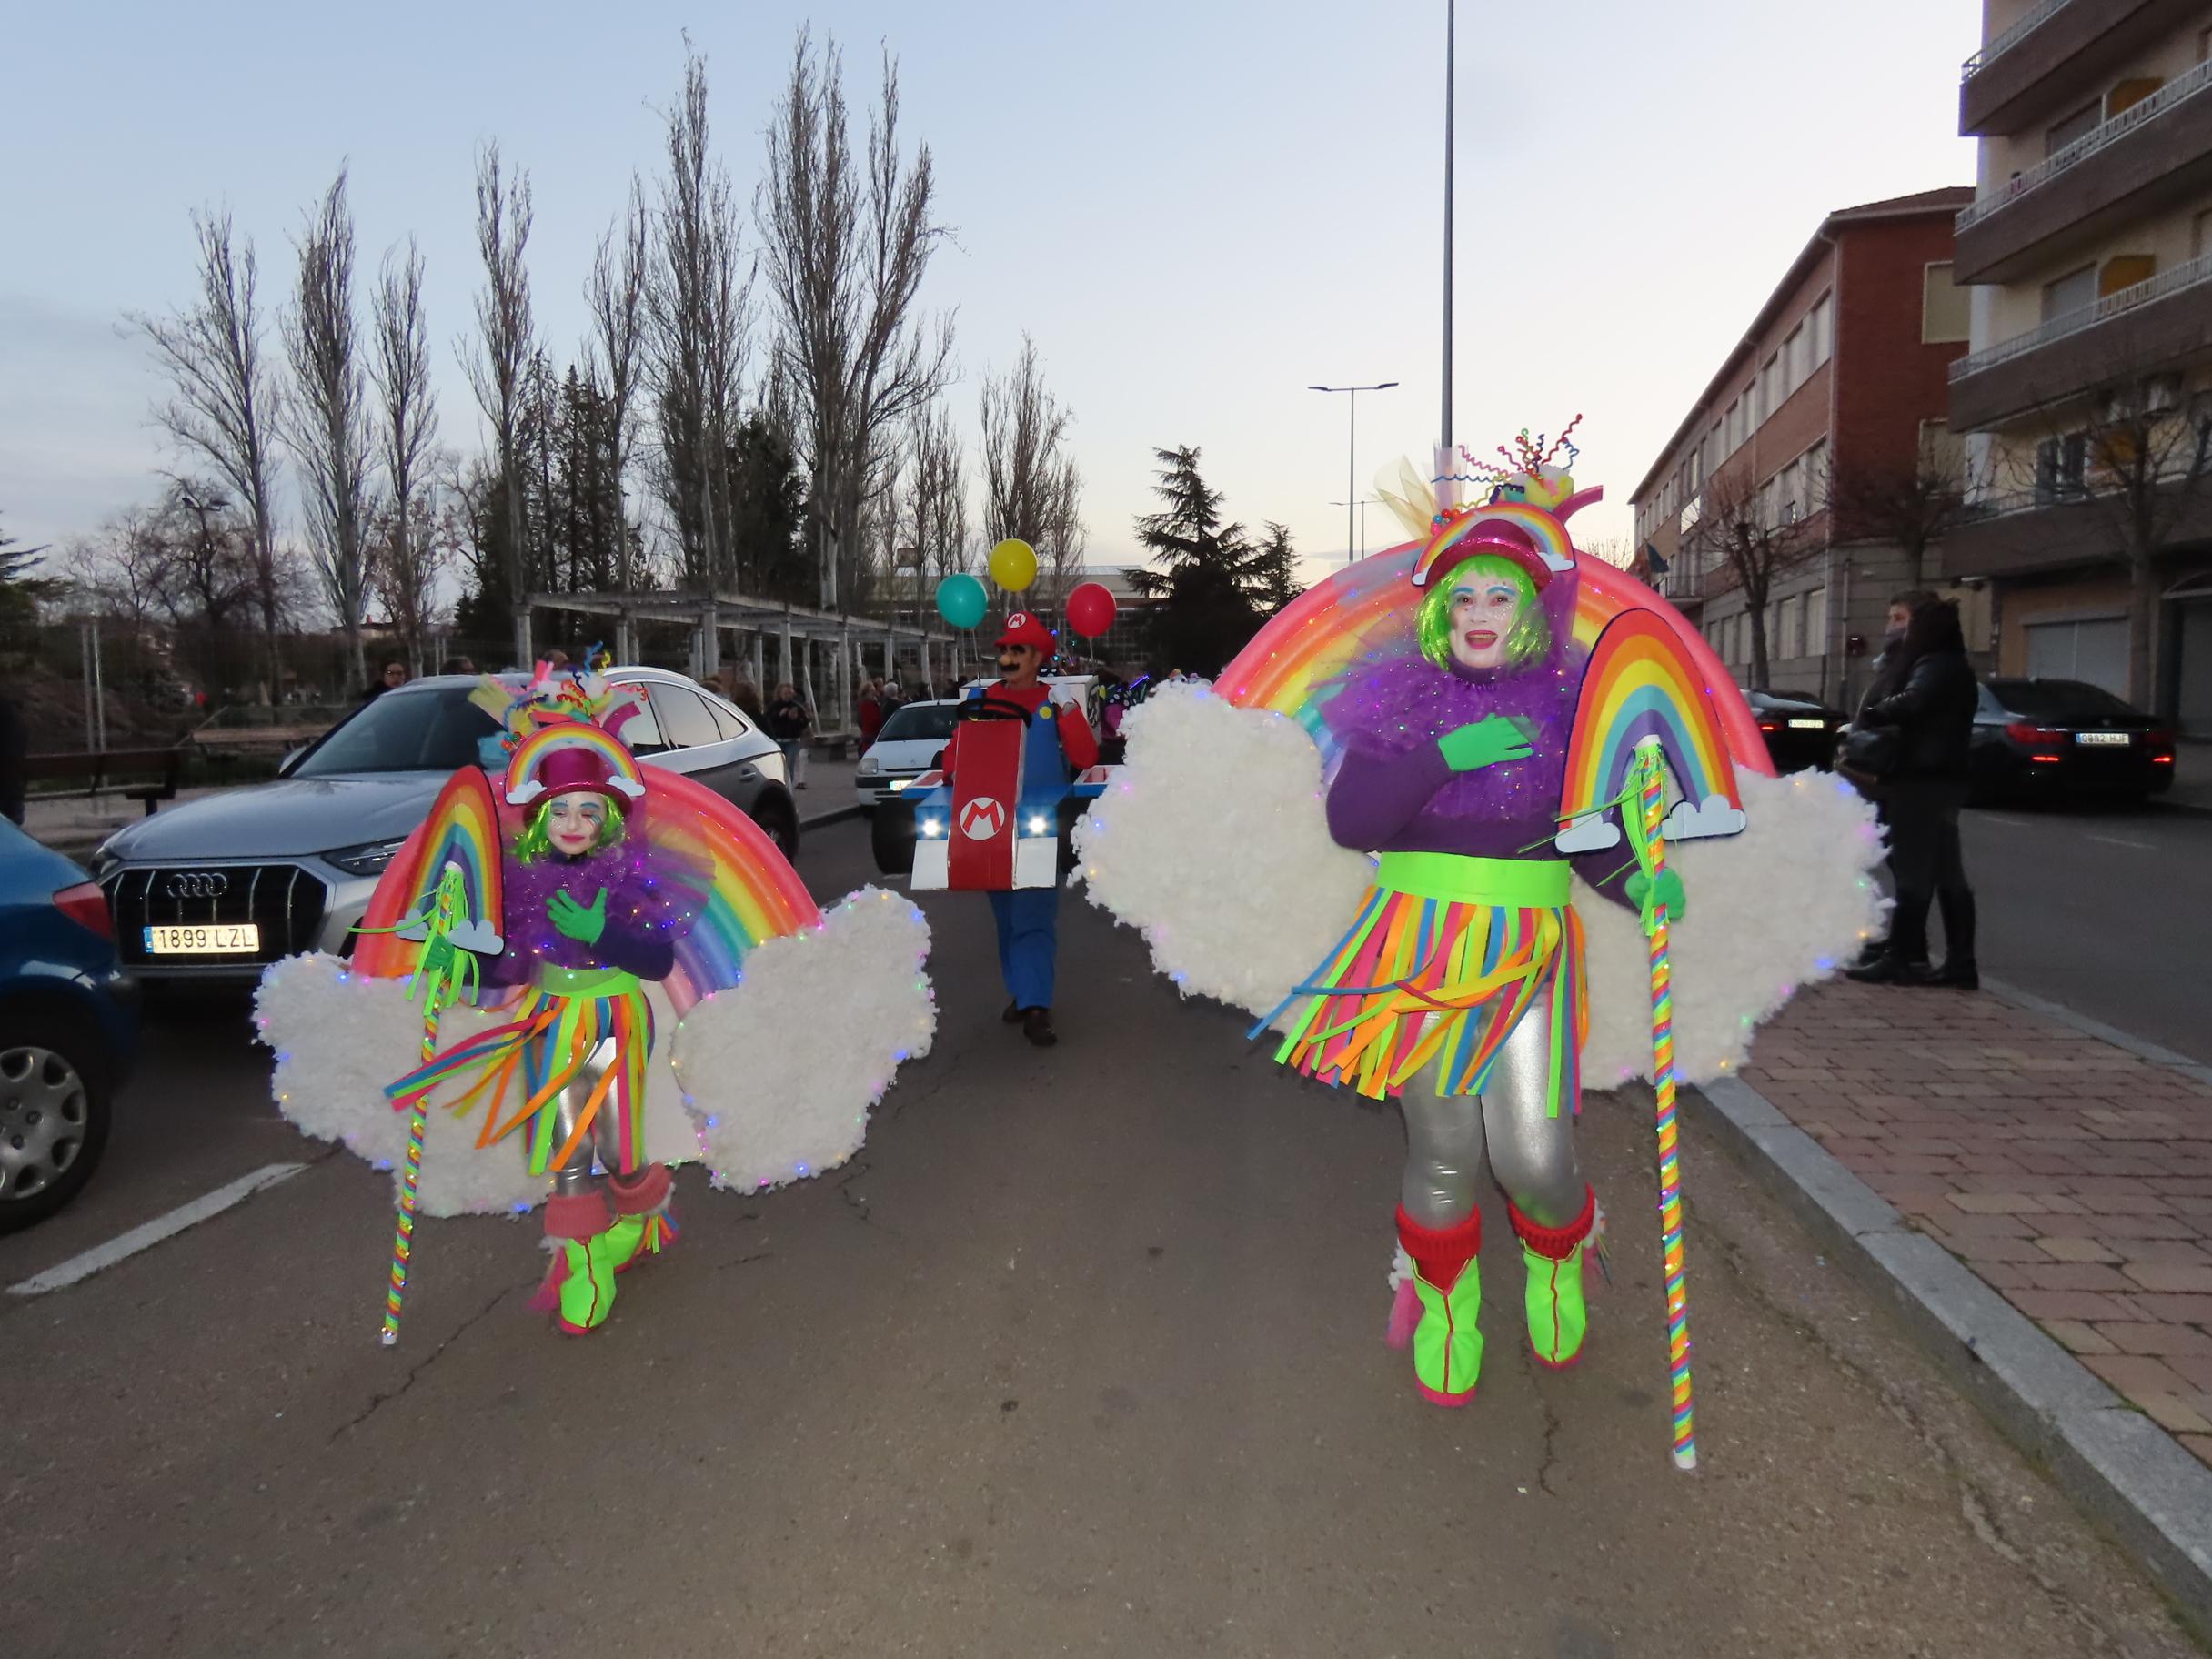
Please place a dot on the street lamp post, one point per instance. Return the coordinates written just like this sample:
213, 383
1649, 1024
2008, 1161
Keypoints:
1443, 438
1363, 504
1352, 460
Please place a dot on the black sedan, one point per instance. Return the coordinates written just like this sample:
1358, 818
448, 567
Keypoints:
2065, 738
1800, 730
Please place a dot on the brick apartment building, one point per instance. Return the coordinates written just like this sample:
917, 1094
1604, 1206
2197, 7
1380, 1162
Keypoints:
1840, 376
2090, 244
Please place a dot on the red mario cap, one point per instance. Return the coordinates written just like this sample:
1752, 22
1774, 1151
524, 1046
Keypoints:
1023, 628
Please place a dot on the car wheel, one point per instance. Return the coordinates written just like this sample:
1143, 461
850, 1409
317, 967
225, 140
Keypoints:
54, 1118
779, 820
890, 836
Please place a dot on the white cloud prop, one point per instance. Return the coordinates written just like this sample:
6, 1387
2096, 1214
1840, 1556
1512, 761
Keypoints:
786, 1066
1211, 840
776, 1103
1214, 843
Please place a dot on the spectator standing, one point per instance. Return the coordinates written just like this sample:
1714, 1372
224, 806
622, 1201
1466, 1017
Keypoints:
1931, 717
870, 714
15, 761
788, 721
458, 664
395, 675
747, 696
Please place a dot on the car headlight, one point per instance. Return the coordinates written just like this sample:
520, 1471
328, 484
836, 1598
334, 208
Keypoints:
869, 766
367, 860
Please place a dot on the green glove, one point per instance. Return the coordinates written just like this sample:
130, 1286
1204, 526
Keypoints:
1489, 740
575, 921
1669, 893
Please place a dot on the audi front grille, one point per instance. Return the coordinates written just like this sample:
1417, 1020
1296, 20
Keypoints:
283, 899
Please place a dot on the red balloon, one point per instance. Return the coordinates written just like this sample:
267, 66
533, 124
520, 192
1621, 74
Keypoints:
1090, 609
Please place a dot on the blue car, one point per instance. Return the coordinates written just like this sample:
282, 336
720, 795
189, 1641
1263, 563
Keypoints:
68, 1029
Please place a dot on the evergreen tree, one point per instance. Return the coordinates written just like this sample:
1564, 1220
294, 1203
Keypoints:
1215, 585
767, 513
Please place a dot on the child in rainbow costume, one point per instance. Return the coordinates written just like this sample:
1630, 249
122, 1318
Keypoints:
1439, 747
535, 927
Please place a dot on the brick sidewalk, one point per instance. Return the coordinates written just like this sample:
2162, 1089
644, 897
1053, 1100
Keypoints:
2073, 1177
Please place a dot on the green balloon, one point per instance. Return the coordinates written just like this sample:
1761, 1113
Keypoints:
962, 601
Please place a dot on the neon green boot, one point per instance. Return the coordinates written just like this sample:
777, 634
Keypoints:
1558, 1318
1448, 1283
586, 1287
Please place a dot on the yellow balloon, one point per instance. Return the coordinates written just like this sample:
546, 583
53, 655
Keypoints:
1014, 565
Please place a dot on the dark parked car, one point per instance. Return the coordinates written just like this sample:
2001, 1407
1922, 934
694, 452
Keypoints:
214, 890
68, 1029
1800, 730
2065, 738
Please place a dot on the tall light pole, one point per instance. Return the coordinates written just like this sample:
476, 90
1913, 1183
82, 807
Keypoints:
1444, 437
1351, 457
1363, 504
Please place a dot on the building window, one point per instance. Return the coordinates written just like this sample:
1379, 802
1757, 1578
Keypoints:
1941, 454
1771, 380
2200, 234
1817, 622
1815, 465
2079, 124
2124, 271
2130, 92
2071, 292
2060, 464
1792, 503
1794, 368
1944, 309
1823, 322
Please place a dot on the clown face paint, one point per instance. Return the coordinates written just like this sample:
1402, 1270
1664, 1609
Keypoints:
1483, 611
574, 821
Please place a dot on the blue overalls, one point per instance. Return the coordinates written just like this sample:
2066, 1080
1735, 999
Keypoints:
1028, 917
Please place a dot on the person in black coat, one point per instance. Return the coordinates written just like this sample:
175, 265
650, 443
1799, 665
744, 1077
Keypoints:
1930, 719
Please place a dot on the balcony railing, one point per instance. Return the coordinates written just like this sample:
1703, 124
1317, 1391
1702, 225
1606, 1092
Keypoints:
2176, 91
2004, 40
2067, 324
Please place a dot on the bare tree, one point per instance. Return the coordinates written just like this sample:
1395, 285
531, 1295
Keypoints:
1737, 536
402, 569
224, 401
2140, 464
937, 494
847, 241
616, 293
1031, 487
699, 307
1910, 506
327, 425
507, 342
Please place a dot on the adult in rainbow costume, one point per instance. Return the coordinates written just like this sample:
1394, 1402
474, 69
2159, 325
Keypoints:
548, 949
1441, 749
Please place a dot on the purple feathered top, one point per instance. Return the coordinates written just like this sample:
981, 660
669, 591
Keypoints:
646, 914
1392, 790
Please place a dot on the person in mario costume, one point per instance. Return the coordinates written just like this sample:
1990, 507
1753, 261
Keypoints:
1059, 737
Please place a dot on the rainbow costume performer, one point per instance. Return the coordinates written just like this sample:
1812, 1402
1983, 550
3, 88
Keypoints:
1440, 748
548, 933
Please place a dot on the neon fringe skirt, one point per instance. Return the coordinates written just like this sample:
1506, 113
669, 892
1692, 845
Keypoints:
1421, 980
550, 1040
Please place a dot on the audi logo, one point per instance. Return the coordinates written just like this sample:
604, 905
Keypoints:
197, 884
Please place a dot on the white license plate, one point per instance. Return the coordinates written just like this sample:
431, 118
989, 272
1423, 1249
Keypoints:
1807, 725
213, 938
2115, 740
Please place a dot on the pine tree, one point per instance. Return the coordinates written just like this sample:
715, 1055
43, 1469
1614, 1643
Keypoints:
1215, 585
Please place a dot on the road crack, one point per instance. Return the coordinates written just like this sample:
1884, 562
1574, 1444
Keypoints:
856, 1202
1551, 1422
1979, 1514
417, 1370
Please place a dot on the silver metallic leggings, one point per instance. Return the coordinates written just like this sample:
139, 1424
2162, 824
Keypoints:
574, 1176
1532, 1154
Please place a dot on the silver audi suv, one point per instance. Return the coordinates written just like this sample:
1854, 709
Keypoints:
212, 890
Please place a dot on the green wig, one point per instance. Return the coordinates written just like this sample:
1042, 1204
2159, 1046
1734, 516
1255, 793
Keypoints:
1528, 640
536, 838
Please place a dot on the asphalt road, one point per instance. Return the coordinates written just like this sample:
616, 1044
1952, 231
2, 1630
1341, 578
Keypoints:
1081, 1355
2108, 911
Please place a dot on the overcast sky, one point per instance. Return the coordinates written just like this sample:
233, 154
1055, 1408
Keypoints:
1196, 208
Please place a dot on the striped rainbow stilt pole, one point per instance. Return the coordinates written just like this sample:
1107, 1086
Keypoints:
1651, 776
410, 1177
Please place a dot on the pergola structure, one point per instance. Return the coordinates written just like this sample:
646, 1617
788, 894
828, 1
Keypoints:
801, 640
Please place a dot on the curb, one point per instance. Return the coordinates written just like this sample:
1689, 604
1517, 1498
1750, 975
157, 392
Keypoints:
2115, 1463
2059, 1013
